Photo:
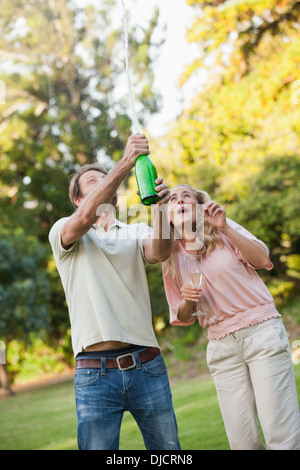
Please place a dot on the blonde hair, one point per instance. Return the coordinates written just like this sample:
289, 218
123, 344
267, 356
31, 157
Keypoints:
211, 235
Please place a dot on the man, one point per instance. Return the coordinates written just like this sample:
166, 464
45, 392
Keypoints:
101, 262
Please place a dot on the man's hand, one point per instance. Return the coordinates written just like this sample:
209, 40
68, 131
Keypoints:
136, 145
162, 191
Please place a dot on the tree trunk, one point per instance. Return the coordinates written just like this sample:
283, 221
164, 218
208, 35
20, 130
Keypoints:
4, 381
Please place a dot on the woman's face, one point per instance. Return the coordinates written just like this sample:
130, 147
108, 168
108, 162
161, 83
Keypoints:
182, 206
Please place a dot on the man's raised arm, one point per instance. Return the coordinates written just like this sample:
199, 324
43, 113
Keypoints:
159, 247
102, 192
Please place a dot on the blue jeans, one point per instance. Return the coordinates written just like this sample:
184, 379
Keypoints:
102, 396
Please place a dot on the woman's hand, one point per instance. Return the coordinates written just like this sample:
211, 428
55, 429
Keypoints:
215, 214
191, 293
253, 252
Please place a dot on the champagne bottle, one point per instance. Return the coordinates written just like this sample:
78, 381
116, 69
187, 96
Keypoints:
145, 173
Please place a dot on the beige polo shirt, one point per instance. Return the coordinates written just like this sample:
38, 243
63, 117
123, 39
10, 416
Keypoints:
104, 279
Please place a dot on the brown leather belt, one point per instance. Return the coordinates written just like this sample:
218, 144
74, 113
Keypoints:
124, 362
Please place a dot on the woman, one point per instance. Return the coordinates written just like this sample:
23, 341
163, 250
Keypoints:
248, 352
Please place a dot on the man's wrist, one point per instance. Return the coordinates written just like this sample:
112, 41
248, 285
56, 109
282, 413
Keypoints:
124, 166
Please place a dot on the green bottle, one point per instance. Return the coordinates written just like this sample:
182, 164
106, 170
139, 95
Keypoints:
145, 173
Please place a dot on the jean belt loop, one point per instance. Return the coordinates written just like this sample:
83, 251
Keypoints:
103, 365
137, 360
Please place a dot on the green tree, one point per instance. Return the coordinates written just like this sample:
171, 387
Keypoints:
61, 109
63, 65
24, 285
240, 137
24, 289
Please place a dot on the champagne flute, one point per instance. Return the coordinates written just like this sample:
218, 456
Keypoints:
194, 271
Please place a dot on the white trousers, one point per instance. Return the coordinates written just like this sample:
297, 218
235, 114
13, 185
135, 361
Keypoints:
253, 374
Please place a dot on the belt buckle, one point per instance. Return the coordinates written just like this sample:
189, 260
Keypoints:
126, 368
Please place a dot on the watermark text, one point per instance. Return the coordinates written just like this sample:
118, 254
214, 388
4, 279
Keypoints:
177, 223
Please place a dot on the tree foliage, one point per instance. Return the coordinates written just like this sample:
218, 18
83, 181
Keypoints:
240, 137
24, 286
63, 67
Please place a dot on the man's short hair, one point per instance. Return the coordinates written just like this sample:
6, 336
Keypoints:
74, 187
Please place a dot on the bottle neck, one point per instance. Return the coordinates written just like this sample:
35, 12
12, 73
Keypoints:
141, 157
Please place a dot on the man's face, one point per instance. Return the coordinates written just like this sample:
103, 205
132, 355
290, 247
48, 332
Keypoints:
87, 182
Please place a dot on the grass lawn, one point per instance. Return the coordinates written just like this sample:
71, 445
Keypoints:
45, 418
